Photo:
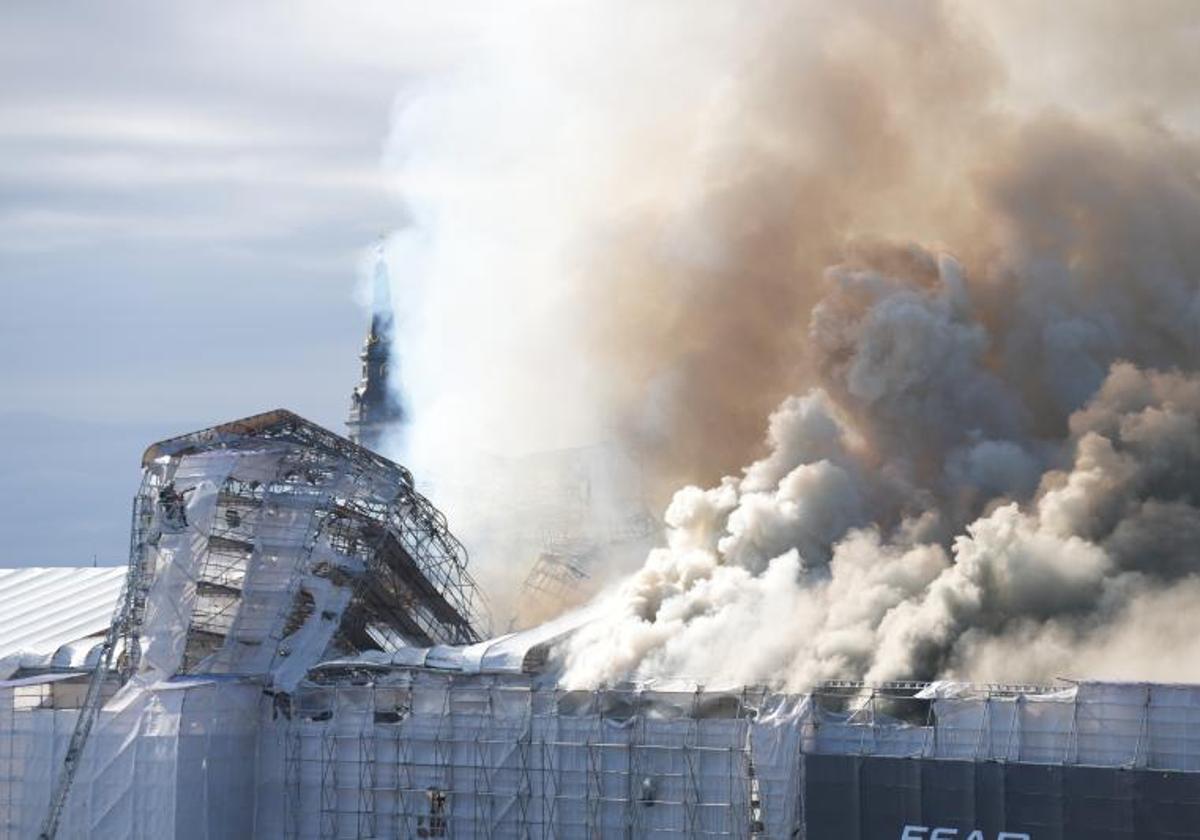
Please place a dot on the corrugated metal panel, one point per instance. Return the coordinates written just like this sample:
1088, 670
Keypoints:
42, 609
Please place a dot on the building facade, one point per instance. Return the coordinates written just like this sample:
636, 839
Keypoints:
301, 653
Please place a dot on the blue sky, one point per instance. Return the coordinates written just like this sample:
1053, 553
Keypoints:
186, 194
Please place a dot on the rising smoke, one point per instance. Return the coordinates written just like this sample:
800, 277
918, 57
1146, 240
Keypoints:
949, 248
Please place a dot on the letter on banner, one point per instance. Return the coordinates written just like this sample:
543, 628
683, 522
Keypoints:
944, 834
914, 832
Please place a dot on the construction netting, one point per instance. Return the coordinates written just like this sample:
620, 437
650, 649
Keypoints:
438, 756
265, 558
261, 546
172, 760
258, 548
404, 752
1134, 725
300, 657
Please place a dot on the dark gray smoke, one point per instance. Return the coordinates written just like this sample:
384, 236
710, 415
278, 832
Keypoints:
998, 474
907, 524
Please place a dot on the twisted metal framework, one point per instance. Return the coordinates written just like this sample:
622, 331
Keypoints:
415, 584
556, 576
407, 574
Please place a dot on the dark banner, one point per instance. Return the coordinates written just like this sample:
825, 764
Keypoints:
865, 798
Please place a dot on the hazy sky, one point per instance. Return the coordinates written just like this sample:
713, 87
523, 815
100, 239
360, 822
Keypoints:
186, 194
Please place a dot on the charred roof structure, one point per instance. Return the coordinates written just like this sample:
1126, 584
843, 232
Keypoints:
276, 534
573, 515
262, 546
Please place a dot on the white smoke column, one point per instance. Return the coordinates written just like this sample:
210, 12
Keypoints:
512, 160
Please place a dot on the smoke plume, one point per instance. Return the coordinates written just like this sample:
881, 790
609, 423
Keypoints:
948, 248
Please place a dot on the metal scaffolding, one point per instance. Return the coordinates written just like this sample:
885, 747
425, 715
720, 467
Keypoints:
557, 577
260, 546
435, 756
337, 511
299, 641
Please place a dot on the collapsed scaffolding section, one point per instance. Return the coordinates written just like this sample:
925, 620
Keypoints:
265, 545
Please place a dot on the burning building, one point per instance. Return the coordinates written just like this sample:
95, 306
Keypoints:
581, 515
949, 247
259, 548
300, 651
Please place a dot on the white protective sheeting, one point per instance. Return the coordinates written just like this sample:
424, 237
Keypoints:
443, 755
521, 651
45, 609
1130, 725
284, 557
252, 558
427, 753
512, 653
170, 760
176, 561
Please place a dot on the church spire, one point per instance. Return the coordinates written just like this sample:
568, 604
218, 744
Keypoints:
374, 409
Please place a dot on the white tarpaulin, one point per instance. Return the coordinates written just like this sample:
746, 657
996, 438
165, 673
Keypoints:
170, 760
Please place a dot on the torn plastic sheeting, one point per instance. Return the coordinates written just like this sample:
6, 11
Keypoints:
786, 709
299, 650
178, 557
947, 690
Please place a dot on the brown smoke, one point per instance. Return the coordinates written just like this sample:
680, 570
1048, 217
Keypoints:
948, 247
829, 128
955, 521
895, 122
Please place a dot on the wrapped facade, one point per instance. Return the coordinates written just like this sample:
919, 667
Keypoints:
301, 653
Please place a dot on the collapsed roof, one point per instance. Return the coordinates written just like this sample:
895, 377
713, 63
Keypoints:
267, 544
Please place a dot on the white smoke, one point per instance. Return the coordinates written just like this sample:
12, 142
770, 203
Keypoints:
783, 576
622, 219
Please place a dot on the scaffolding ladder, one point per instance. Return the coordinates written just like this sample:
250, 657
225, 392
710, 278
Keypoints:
129, 605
